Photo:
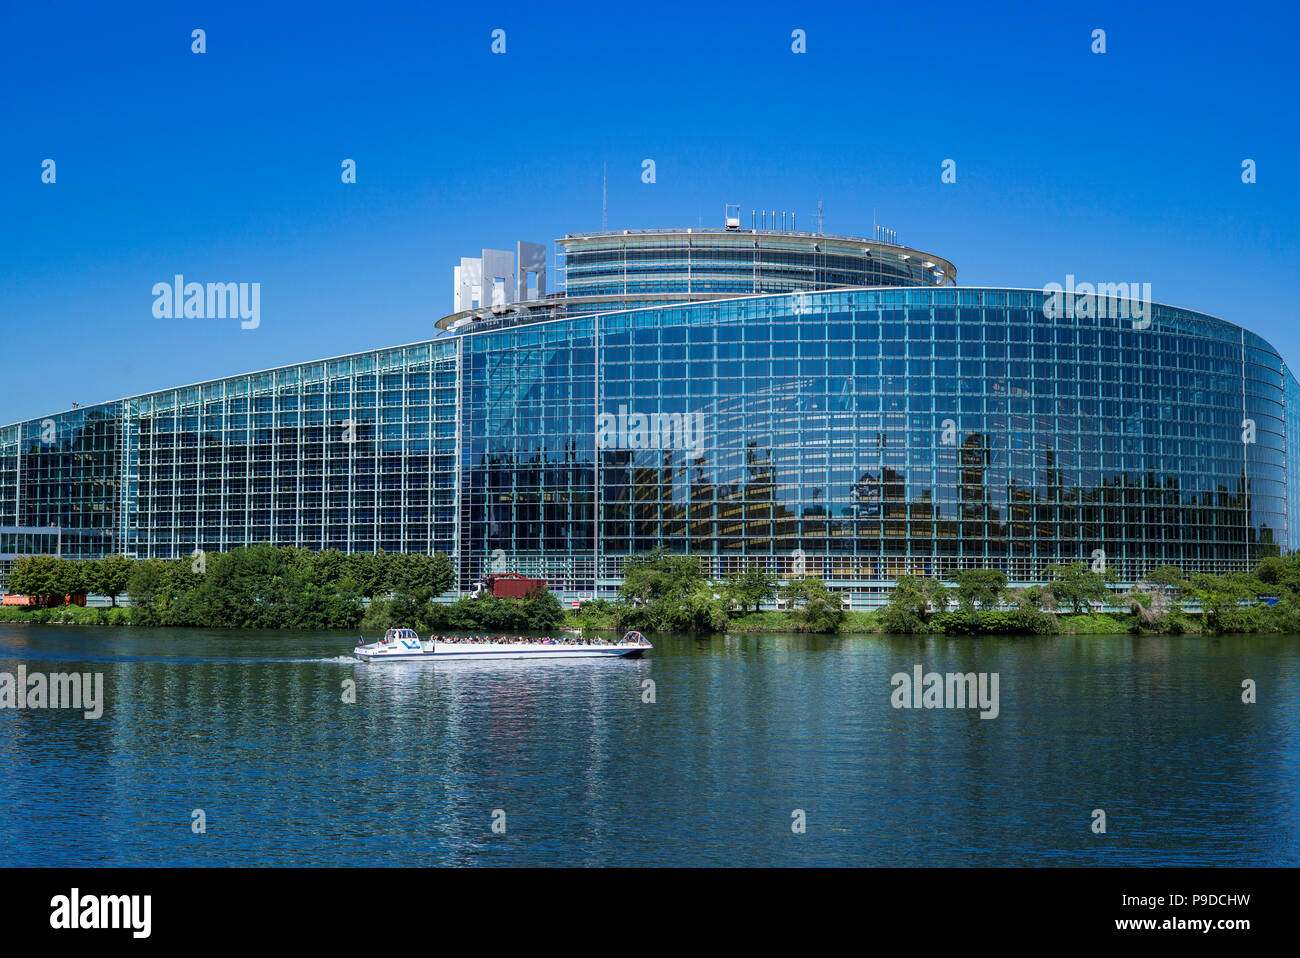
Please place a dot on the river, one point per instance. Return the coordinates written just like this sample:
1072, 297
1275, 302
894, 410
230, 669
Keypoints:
755, 750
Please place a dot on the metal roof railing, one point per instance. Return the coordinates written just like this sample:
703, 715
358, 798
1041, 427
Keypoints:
723, 231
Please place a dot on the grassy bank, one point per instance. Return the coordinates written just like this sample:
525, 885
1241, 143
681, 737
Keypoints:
602, 620
1097, 623
869, 623
855, 623
66, 615
270, 587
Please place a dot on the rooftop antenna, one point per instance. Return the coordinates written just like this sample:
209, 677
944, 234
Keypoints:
604, 197
819, 214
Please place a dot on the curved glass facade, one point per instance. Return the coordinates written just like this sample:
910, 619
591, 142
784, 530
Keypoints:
870, 433
630, 264
856, 434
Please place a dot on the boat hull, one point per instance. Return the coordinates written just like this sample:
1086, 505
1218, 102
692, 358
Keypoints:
483, 653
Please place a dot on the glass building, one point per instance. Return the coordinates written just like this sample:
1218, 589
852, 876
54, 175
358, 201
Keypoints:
825, 405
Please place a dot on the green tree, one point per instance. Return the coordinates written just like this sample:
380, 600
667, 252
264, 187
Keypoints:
1282, 573
77, 576
750, 587
542, 610
663, 592
145, 590
36, 576
419, 576
369, 570
1169, 579
979, 588
538, 611
1076, 585
1034, 598
179, 591
111, 576
659, 574
49, 579
814, 607
911, 604
800, 591
329, 566
1227, 601
269, 587
703, 611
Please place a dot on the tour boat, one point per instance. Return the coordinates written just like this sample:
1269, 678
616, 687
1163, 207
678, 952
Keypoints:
405, 645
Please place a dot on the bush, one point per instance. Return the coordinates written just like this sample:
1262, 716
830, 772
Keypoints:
539, 611
822, 614
912, 604
861, 622
117, 616
992, 621
65, 615
593, 615
814, 608
695, 611
770, 621
275, 587
1096, 623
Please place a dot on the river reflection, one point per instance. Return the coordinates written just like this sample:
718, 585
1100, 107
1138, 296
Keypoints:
255, 729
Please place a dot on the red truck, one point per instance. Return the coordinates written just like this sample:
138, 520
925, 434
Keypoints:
512, 585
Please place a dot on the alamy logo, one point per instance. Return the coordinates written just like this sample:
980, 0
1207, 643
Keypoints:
58, 690
953, 690
182, 300
659, 430
1104, 301
102, 911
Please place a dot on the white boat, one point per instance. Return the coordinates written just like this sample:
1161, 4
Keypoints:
405, 645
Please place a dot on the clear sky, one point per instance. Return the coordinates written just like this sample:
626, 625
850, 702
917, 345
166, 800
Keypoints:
225, 166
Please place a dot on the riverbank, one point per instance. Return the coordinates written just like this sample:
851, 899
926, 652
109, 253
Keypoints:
868, 623
774, 621
66, 615
871, 623
270, 587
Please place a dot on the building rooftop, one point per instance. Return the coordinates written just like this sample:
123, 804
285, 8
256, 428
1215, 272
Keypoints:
605, 270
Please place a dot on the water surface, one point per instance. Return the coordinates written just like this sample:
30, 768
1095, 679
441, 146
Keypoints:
252, 729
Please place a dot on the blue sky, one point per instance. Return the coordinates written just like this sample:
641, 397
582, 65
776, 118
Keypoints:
225, 166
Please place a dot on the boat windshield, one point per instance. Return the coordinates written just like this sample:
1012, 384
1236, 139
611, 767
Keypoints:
401, 634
